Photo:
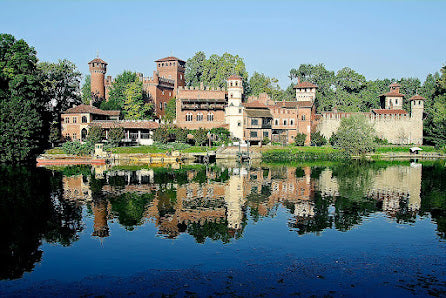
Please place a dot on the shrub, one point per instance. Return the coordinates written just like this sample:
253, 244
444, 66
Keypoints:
286, 156
266, 141
317, 139
380, 141
181, 135
355, 135
161, 134
200, 136
299, 140
95, 134
77, 148
115, 135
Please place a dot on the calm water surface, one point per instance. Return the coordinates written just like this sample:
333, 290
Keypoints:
369, 229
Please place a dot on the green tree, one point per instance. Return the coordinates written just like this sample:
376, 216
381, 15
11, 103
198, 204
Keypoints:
86, 90
54, 136
22, 101
355, 135
259, 83
95, 134
317, 139
161, 134
181, 135
61, 86
299, 140
134, 107
117, 97
435, 123
194, 69
200, 136
115, 135
170, 113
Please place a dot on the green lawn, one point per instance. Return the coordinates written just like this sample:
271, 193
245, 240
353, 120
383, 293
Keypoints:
57, 150
403, 149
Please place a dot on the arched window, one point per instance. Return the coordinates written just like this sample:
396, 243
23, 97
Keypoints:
230, 84
84, 133
236, 83
291, 122
276, 121
84, 119
232, 95
189, 117
210, 117
199, 117
284, 122
303, 117
239, 123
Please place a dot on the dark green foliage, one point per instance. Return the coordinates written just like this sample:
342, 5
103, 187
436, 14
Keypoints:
200, 136
77, 148
22, 101
266, 141
181, 134
161, 134
171, 110
129, 208
95, 134
115, 135
317, 139
299, 140
55, 136
379, 141
117, 91
221, 135
286, 156
86, 90
355, 136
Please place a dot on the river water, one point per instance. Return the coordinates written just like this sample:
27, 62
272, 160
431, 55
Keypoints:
357, 229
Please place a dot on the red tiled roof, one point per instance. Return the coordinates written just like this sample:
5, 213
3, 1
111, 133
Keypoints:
417, 97
91, 110
170, 58
255, 104
393, 93
388, 112
137, 124
394, 84
305, 85
235, 77
293, 104
99, 60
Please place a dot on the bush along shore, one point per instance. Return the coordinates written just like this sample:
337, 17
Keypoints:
287, 155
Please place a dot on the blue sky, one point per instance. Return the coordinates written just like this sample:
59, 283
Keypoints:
379, 39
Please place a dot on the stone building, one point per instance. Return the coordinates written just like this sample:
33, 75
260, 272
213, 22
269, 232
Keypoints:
160, 88
76, 122
391, 123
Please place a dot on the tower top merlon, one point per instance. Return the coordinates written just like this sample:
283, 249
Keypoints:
97, 60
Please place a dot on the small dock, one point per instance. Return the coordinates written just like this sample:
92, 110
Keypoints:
205, 157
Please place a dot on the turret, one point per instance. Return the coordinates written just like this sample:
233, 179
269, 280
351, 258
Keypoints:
417, 107
98, 68
392, 100
235, 90
305, 91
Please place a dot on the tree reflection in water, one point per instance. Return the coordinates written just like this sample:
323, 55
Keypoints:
206, 202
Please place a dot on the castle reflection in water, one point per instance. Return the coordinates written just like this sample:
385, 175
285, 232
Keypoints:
216, 202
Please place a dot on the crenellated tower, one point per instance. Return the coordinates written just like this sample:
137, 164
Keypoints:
234, 110
98, 69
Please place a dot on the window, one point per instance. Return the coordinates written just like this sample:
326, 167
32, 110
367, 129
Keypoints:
231, 95
181, 76
74, 119
159, 64
163, 92
284, 122
170, 93
74, 136
303, 117
291, 122
161, 105
239, 123
231, 84
189, 117
236, 84
253, 134
199, 117
396, 101
254, 122
265, 134
84, 119
210, 117
276, 121
67, 120
165, 105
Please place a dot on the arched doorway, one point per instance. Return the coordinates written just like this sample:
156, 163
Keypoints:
84, 134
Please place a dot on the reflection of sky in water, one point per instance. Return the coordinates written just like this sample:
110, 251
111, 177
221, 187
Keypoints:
215, 219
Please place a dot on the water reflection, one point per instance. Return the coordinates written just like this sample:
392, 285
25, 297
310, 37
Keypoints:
206, 202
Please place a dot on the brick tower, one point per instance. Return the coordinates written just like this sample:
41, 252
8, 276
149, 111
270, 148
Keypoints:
98, 68
172, 68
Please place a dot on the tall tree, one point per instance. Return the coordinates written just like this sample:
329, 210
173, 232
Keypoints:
117, 89
86, 90
355, 135
134, 107
435, 123
194, 69
171, 110
22, 101
61, 83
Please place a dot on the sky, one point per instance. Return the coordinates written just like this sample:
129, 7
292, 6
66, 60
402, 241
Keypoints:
379, 39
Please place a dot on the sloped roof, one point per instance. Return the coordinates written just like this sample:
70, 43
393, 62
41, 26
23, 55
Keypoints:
394, 84
91, 110
393, 93
170, 58
389, 112
294, 104
255, 104
305, 85
99, 60
235, 77
137, 124
417, 97
258, 113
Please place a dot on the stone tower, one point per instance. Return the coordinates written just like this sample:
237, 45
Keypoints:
98, 68
305, 91
172, 68
234, 110
393, 100
417, 107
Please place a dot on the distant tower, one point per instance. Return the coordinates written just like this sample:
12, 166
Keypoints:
417, 107
305, 91
393, 100
172, 68
98, 68
234, 110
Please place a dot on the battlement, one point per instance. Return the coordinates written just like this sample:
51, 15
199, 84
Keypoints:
202, 88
